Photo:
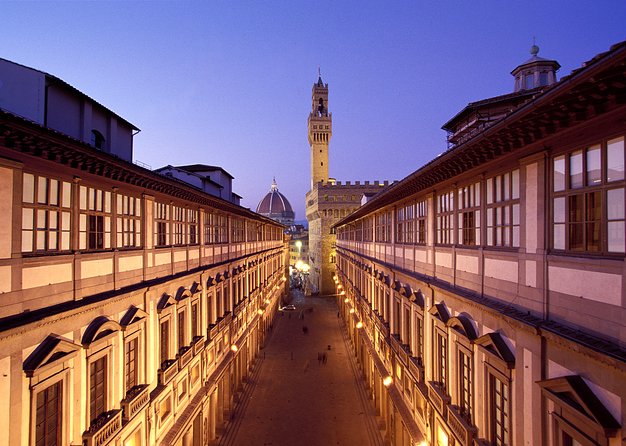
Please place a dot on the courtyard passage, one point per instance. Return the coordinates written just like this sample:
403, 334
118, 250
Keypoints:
291, 398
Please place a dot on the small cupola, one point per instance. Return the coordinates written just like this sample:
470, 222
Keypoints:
535, 72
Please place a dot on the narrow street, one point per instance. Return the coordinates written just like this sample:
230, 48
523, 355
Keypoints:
291, 398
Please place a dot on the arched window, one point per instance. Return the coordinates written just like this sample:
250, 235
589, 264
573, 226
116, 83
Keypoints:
97, 139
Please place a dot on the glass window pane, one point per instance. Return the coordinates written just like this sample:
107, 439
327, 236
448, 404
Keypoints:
489, 191
28, 188
515, 184
593, 166
559, 210
67, 195
576, 236
65, 241
107, 202
52, 241
576, 169
41, 240
559, 236
576, 206
615, 204
594, 206
616, 236
615, 159
42, 190
83, 198
54, 192
516, 214
65, 221
53, 220
41, 219
28, 218
27, 241
559, 173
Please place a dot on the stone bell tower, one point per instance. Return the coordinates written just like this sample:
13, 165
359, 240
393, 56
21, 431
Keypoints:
320, 131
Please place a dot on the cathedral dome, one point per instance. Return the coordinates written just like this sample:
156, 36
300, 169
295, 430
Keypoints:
276, 206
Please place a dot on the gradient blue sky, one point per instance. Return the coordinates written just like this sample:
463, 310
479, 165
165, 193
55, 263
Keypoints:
229, 83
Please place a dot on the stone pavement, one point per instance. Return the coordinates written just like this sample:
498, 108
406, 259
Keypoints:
292, 399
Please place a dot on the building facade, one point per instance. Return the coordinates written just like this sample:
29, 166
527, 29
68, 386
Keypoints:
484, 293
328, 200
133, 305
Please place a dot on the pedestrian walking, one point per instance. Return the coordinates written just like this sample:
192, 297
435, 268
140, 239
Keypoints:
324, 358
319, 358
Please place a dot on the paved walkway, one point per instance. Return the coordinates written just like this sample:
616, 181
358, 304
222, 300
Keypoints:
292, 399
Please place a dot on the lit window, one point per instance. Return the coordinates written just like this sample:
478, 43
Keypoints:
46, 206
469, 214
445, 218
588, 207
503, 210
95, 218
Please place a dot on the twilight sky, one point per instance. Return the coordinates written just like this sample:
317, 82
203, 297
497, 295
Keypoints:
229, 83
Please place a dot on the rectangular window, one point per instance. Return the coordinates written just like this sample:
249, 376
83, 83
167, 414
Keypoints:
588, 199
445, 218
181, 330
421, 214
503, 210
418, 351
128, 221
498, 411
465, 385
469, 215
95, 219
216, 229
441, 359
192, 226
97, 388
368, 229
383, 227
164, 341
195, 329
48, 416
46, 207
238, 230
178, 226
161, 224
406, 327
130, 364
405, 226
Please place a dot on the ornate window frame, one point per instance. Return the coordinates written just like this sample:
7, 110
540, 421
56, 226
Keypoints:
577, 412
49, 364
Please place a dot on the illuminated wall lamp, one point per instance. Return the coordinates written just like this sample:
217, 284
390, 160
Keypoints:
351, 310
359, 324
387, 381
234, 348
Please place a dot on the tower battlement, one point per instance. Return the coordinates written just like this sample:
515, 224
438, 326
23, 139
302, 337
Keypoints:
352, 184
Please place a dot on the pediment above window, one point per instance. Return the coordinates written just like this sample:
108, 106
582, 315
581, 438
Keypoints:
166, 301
440, 311
99, 328
573, 392
195, 288
494, 344
132, 316
463, 325
418, 298
182, 293
53, 349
